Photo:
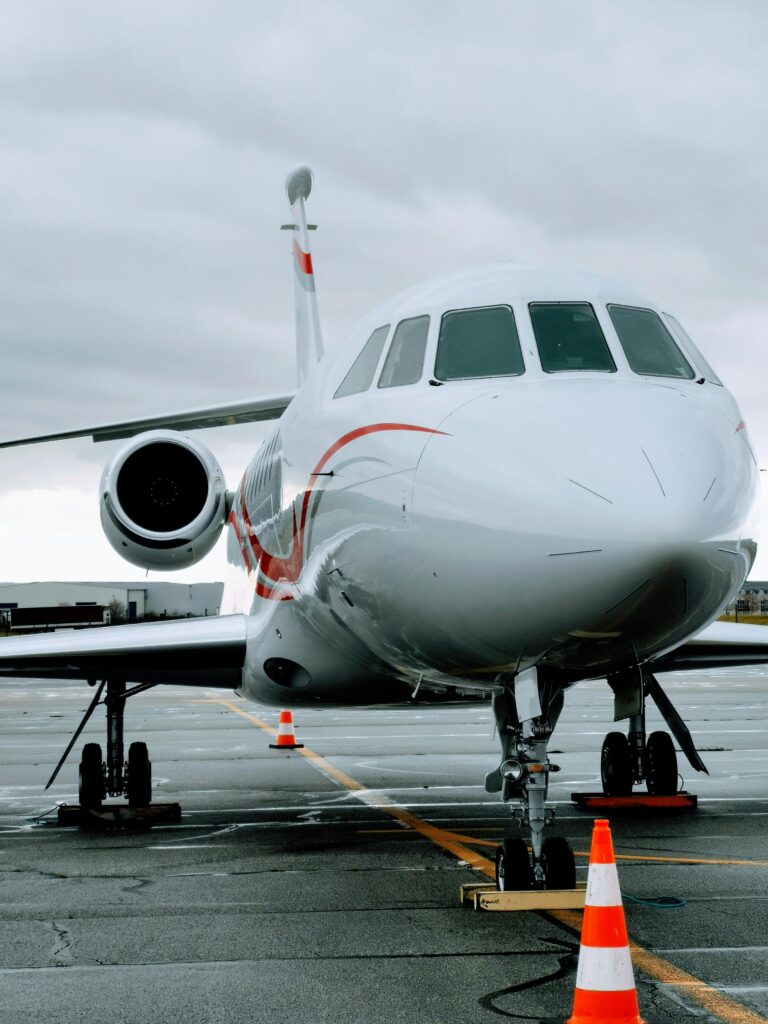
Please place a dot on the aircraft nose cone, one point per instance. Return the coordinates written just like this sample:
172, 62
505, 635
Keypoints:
552, 504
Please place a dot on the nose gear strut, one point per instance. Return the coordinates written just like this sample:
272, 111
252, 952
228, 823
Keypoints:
526, 713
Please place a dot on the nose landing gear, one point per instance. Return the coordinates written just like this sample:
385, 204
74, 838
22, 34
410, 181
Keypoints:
526, 713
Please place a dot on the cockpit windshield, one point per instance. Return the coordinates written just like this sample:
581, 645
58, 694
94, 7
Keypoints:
569, 337
405, 359
649, 347
478, 343
360, 375
693, 350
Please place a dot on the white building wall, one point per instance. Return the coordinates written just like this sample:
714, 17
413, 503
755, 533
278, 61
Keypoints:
183, 599
41, 595
151, 598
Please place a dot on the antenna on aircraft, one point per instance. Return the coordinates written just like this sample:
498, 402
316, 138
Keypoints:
309, 340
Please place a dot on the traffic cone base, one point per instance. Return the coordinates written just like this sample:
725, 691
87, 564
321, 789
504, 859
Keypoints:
613, 1008
286, 738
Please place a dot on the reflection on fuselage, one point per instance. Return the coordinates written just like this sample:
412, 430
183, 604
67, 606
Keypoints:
573, 512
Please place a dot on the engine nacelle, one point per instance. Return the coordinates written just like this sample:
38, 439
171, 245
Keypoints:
163, 501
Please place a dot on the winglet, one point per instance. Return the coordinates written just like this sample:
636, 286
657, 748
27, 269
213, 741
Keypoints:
309, 340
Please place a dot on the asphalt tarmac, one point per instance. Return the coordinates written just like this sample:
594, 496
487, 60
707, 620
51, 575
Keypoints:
323, 885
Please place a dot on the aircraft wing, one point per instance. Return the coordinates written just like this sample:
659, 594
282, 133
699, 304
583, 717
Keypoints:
249, 410
192, 652
720, 645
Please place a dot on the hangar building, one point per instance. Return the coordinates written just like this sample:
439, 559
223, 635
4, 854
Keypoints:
752, 598
118, 602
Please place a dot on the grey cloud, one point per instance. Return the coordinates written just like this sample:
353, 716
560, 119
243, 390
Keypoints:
143, 149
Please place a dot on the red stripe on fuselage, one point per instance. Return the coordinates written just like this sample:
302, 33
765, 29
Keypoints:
286, 570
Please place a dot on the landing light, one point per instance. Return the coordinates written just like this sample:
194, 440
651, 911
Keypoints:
511, 770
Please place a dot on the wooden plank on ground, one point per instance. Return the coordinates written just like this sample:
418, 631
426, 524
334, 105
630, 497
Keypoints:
487, 897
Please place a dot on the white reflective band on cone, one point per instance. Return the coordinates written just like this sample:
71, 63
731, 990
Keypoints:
603, 886
605, 969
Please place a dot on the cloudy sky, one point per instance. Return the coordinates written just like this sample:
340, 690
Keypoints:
143, 149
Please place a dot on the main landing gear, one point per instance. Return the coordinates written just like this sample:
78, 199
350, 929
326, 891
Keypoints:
630, 760
526, 714
114, 775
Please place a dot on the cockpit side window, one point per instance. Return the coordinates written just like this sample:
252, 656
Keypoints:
569, 337
405, 360
693, 350
650, 349
360, 375
478, 343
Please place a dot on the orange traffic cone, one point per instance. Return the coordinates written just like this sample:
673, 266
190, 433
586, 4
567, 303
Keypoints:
286, 738
605, 983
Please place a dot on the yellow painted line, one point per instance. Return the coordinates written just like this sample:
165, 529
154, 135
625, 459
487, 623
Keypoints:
619, 856
472, 840
716, 1003
683, 860
378, 800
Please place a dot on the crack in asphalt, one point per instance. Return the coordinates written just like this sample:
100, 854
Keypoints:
62, 949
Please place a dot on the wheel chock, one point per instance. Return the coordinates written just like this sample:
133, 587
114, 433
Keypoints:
488, 897
115, 816
682, 801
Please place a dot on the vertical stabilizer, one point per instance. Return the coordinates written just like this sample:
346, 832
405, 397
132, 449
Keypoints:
309, 340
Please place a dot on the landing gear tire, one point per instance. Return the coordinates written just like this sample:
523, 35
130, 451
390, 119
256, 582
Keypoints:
513, 866
558, 863
616, 765
91, 778
661, 764
139, 787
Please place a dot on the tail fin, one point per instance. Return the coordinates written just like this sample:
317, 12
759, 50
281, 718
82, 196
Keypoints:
309, 340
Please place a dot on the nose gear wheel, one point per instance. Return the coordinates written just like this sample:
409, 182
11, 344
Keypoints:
558, 863
513, 866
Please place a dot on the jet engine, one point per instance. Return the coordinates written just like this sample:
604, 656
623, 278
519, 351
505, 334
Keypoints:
163, 502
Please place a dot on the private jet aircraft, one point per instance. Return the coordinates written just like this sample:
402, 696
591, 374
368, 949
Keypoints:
510, 479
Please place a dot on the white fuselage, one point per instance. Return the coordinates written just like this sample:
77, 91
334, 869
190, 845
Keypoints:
583, 520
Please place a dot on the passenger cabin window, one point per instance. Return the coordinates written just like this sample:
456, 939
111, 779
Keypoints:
360, 375
569, 337
405, 359
649, 347
693, 350
478, 343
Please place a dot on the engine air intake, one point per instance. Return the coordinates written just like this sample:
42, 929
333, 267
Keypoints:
163, 501
162, 487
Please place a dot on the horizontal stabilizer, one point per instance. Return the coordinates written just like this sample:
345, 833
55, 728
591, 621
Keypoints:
250, 410
191, 652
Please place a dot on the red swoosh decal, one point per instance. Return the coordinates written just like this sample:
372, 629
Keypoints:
286, 570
